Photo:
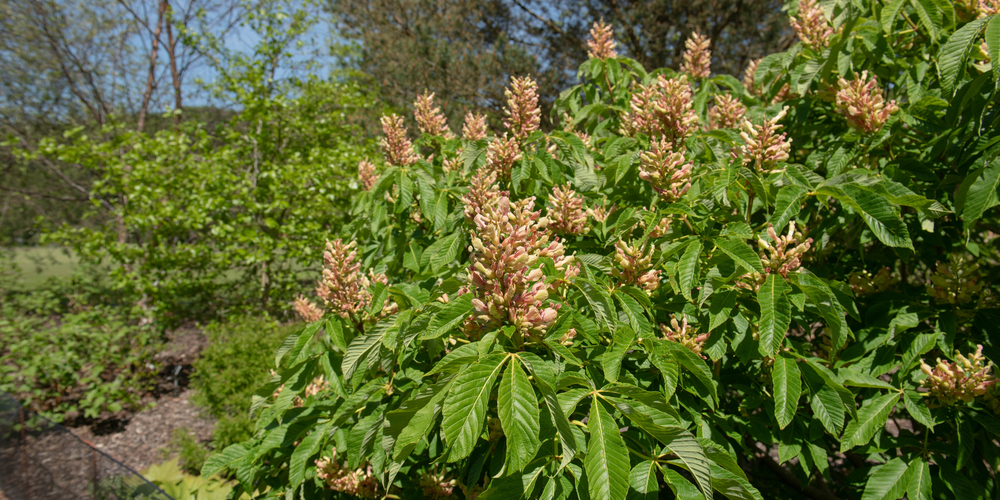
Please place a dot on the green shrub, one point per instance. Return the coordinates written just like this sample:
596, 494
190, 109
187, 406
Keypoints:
191, 453
88, 362
779, 273
230, 368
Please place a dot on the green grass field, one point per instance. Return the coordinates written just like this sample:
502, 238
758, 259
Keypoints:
39, 264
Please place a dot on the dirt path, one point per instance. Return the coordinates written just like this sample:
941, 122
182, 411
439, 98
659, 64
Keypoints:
149, 431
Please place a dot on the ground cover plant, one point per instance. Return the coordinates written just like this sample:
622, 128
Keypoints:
694, 278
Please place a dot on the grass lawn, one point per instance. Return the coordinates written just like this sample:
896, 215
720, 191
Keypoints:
38, 264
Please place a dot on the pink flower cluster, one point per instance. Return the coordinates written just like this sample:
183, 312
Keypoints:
764, 147
396, 147
662, 109
508, 240
565, 213
437, 486
602, 41
963, 380
811, 25
987, 8
474, 128
749, 75
523, 114
777, 257
861, 101
684, 334
343, 288
956, 281
697, 56
634, 263
727, 112
307, 310
666, 170
367, 174
430, 119
501, 155
483, 192
360, 483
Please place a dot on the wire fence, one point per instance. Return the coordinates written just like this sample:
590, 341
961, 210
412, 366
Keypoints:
42, 460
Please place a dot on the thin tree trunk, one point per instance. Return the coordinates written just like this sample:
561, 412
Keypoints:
172, 53
151, 78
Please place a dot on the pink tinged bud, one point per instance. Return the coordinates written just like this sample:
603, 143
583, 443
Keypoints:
749, 75
366, 174
862, 103
501, 154
474, 128
523, 114
667, 171
602, 41
697, 57
309, 312
479, 305
727, 112
811, 26
764, 147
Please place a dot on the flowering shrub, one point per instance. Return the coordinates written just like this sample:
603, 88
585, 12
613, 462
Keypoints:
737, 301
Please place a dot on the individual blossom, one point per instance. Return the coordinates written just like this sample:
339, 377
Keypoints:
366, 174
727, 112
811, 26
776, 256
430, 119
634, 263
508, 240
964, 380
343, 288
307, 310
864, 283
483, 192
452, 164
474, 128
697, 56
784, 93
663, 108
684, 334
565, 212
660, 229
861, 101
523, 114
666, 170
318, 385
396, 147
956, 281
764, 147
602, 212
602, 41
567, 338
501, 154
749, 75
357, 482
437, 486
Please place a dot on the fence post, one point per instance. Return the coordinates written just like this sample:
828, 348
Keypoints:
24, 454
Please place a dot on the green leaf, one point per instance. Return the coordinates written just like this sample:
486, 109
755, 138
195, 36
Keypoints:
888, 482
741, 253
680, 442
955, 54
411, 422
643, 481
733, 486
871, 419
607, 461
787, 388
918, 480
825, 403
787, 205
449, 317
362, 347
694, 364
875, 208
889, 14
335, 330
981, 194
227, 458
929, 16
992, 36
443, 251
465, 407
915, 406
687, 268
775, 313
518, 410
612, 359
599, 301
296, 342
566, 437
308, 447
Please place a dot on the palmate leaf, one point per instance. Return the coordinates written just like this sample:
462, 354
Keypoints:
871, 418
918, 480
881, 216
775, 313
607, 462
888, 482
981, 193
518, 409
741, 253
787, 388
825, 402
787, 205
465, 407
364, 346
643, 481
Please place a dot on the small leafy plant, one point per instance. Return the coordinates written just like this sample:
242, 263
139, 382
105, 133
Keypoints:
695, 278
